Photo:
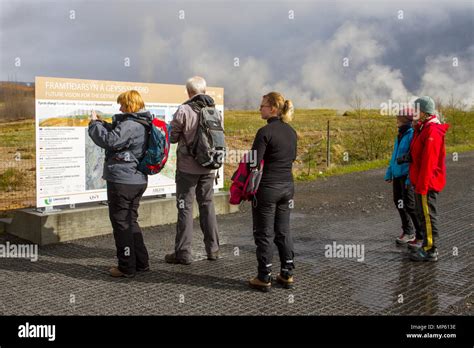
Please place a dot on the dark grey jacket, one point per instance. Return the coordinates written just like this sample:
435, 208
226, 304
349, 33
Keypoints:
125, 143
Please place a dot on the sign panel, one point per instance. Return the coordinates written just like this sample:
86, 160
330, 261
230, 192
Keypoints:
68, 164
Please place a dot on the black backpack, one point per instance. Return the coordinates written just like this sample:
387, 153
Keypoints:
208, 147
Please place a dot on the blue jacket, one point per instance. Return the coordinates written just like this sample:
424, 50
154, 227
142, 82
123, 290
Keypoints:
400, 148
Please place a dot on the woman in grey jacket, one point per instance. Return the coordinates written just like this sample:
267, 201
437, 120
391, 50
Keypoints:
125, 143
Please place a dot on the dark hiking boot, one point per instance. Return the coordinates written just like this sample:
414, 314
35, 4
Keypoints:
144, 269
171, 258
213, 256
116, 273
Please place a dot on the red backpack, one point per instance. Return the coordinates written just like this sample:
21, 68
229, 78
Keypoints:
244, 182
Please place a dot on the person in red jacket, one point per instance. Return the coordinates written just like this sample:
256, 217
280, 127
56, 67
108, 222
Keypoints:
427, 175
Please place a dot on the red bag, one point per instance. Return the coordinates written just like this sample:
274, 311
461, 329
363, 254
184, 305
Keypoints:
244, 182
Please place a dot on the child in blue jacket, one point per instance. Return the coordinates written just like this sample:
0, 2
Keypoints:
397, 174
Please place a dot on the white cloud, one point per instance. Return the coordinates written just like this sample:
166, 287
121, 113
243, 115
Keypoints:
335, 84
195, 53
441, 79
300, 58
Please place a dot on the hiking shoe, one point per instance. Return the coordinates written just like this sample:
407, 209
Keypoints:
415, 244
213, 256
405, 238
141, 270
171, 258
256, 283
286, 282
422, 255
116, 273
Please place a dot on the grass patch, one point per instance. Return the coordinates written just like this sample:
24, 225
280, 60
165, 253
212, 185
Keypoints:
344, 169
459, 148
12, 180
18, 134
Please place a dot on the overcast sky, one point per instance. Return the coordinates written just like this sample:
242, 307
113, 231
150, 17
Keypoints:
388, 57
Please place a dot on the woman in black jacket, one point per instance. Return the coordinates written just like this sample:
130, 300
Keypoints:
276, 144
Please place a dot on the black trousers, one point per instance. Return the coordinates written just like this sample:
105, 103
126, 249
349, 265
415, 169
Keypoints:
271, 209
124, 201
428, 212
404, 199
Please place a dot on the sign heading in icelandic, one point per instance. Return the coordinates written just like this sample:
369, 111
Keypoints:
68, 164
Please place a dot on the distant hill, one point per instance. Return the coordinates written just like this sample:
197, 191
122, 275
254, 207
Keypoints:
28, 87
17, 101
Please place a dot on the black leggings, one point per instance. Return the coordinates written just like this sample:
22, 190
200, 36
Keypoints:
404, 199
271, 209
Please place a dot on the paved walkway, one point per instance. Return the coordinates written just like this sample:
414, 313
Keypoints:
71, 278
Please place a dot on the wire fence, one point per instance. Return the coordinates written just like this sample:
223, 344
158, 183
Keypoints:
338, 140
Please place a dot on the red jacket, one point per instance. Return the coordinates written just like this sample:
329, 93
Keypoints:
428, 168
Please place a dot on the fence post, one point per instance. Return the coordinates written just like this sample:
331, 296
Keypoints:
328, 147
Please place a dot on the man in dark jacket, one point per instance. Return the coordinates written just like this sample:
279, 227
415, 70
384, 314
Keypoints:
428, 174
125, 143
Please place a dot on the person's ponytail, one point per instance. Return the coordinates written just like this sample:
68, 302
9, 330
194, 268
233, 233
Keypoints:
284, 106
287, 111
